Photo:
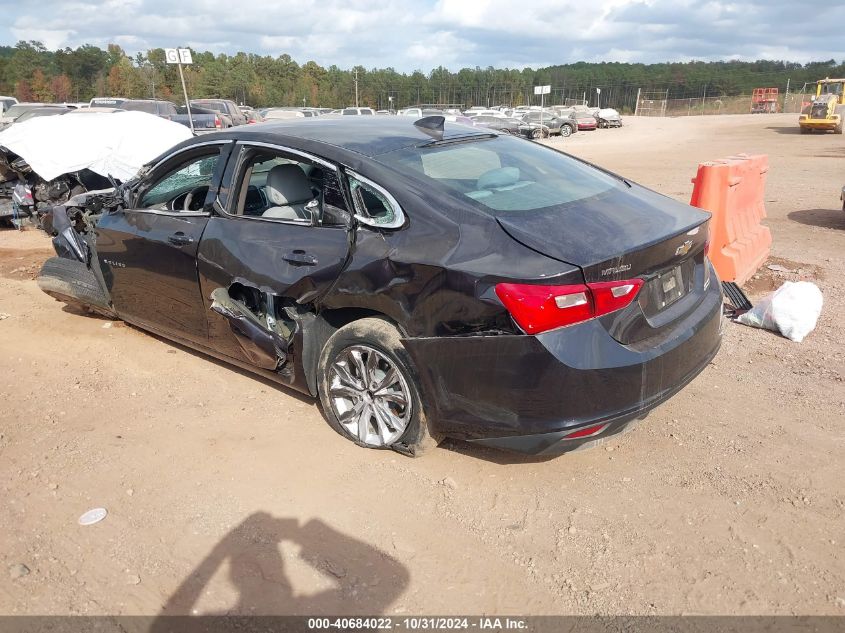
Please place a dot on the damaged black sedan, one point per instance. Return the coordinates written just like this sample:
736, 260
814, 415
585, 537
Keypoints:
424, 280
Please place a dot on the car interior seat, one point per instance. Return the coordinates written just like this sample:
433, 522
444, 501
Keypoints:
289, 190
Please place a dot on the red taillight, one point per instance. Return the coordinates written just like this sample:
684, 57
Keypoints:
587, 432
610, 296
540, 308
217, 121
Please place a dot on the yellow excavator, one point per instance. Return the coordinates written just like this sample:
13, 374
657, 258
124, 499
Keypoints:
827, 109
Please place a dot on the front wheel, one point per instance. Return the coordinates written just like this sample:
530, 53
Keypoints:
369, 391
565, 130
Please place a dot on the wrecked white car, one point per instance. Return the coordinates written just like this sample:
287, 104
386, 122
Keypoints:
46, 161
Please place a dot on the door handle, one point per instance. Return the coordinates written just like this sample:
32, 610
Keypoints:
180, 239
300, 258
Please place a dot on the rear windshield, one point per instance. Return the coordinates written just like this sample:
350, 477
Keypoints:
98, 102
140, 106
503, 174
217, 106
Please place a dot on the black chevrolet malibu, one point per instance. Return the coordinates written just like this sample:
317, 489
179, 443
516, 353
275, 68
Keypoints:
424, 280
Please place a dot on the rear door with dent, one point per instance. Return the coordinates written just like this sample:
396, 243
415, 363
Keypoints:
272, 269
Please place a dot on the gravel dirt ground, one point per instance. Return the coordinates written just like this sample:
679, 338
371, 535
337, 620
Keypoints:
227, 494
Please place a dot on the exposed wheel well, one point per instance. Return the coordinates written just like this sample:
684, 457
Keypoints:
317, 332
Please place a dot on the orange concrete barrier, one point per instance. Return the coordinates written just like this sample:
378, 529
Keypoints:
733, 190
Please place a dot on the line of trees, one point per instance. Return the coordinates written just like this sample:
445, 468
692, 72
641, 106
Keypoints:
30, 72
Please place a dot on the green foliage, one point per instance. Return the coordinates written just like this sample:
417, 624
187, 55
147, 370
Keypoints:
88, 71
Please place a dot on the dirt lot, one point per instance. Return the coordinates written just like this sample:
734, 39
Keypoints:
228, 494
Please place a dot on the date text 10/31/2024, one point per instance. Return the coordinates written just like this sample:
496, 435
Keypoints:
417, 624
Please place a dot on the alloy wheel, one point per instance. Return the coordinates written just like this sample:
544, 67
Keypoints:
369, 395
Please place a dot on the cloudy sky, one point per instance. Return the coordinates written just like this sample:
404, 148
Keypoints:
423, 34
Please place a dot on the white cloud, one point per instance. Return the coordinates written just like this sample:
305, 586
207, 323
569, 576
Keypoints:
408, 34
51, 38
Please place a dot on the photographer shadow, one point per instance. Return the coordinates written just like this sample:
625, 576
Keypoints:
365, 580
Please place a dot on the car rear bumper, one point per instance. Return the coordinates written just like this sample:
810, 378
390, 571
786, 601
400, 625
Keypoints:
527, 393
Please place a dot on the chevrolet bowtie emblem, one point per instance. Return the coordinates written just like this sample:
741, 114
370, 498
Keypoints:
683, 249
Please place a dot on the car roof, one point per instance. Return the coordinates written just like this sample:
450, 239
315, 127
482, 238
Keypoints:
369, 136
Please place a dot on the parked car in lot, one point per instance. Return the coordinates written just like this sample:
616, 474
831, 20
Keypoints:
95, 110
252, 116
500, 123
15, 111
541, 124
47, 110
226, 108
357, 111
204, 119
585, 120
158, 107
608, 117
423, 279
282, 113
106, 102
6, 103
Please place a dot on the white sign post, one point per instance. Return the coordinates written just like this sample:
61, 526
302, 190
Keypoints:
181, 56
542, 90
598, 97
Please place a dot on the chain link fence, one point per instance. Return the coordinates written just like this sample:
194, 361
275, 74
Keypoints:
657, 104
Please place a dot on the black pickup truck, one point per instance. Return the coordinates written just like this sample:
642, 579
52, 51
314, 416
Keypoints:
205, 119
228, 110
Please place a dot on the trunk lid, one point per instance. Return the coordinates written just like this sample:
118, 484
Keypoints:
622, 234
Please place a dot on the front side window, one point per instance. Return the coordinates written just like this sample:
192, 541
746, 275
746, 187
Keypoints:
184, 188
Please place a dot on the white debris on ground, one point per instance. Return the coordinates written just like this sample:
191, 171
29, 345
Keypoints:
793, 310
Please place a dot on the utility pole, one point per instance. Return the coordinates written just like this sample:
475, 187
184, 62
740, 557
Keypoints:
356, 87
181, 56
637, 104
786, 96
704, 96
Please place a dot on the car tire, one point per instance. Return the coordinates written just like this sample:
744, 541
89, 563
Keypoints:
73, 283
838, 128
376, 345
565, 131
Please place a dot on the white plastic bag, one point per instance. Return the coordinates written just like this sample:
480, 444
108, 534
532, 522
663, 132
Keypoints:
793, 310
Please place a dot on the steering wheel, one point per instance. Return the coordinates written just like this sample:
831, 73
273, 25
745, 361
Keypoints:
194, 193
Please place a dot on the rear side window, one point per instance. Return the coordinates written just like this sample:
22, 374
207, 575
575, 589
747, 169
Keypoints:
350, 111
374, 203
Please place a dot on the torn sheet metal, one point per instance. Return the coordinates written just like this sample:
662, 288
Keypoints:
265, 342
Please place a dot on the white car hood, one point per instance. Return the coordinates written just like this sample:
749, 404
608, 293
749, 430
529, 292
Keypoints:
116, 143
